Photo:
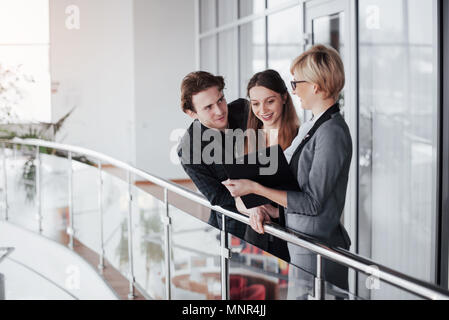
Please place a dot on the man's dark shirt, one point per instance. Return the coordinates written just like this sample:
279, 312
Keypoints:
208, 177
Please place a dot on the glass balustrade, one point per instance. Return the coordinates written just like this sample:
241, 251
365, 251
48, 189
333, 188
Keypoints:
54, 194
21, 186
195, 254
41, 191
149, 243
85, 204
115, 222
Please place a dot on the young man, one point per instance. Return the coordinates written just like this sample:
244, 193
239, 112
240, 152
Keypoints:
203, 100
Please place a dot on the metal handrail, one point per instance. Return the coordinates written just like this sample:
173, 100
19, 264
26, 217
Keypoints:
8, 250
341, 256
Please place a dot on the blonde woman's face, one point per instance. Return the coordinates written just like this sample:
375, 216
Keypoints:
304, 91
267, 105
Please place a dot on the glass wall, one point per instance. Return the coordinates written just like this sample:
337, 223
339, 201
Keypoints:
241, 49
284, 40
252, 53
250, 7
397, 112
398, 136
228, 62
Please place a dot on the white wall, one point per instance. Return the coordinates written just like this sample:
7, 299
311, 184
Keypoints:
164, 54
123, 69
94, 67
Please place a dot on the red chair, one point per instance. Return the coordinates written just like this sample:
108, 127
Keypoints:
254, 292
236, 286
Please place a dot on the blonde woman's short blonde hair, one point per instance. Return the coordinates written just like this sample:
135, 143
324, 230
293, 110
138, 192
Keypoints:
321, 65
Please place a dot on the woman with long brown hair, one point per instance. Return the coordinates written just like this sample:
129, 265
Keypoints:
273, 114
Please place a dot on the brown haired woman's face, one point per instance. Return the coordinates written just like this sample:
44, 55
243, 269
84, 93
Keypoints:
267, 105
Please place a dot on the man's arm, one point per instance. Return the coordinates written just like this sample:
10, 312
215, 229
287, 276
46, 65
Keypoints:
209, 186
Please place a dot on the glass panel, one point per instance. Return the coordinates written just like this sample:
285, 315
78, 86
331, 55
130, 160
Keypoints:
333, 292
252, 52
284, 41
329, 30
21, 187
55, 195
24, 21
196, 268
4, 153
208, 47
398, 137
115, 218
228, 62
149, 243
86, 215
208, 15
249, 7
276, 3
256, 274
374, 289
227, 12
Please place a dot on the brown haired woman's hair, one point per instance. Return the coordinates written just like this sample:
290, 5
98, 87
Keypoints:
288, 130
194, 83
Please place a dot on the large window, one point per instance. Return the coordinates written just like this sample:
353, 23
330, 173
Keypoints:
284, 42
398, 136
236, 48
253, 56
395, 77
24, 60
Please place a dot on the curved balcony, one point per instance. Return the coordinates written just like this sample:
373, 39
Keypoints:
148, 238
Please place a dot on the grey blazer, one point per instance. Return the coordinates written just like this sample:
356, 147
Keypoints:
323, 169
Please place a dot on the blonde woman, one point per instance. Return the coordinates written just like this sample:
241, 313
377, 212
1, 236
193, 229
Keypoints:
320, 157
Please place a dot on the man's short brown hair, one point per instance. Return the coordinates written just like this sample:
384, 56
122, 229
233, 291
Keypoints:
196, 82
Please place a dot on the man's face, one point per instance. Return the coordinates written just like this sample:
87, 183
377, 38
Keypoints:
211, 108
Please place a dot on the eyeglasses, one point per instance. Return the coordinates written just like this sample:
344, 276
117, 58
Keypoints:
294, 83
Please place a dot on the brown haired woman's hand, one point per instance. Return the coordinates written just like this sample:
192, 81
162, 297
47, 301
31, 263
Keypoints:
273, 212
240, 188
257, 219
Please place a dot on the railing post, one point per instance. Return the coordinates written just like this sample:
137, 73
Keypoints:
225, 256
5, 184
131, 294
38, 189
167, 230
70, 229
100, 210
319, 292
2, 287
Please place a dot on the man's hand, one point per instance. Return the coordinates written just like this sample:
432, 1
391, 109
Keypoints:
241, 206
240, 188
